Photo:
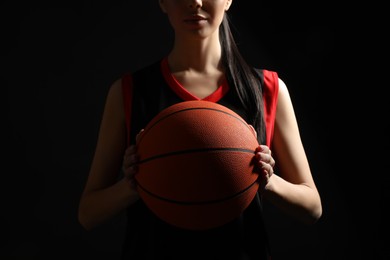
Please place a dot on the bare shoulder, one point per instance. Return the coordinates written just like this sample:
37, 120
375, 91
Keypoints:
114, 102
284, 98
285, 114
115, 91
283, 90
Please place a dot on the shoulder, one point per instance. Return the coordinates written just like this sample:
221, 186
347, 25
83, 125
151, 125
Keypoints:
269, 80
275, 89
273, 85
283, 90
115, 90
114, 101
270, 84
119, 89
270, 75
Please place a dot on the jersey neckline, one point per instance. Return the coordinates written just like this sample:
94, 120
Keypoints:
184, 93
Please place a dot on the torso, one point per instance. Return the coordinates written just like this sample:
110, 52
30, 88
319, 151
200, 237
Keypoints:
153, 89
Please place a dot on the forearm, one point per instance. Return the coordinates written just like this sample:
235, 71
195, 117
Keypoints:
298, 200
100, 205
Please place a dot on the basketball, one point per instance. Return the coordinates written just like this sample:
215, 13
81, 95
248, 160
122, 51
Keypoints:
195, 165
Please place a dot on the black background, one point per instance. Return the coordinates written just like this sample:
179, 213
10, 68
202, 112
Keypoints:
58, 60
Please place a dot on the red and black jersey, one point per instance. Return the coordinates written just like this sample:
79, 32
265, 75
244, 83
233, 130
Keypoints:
147, 91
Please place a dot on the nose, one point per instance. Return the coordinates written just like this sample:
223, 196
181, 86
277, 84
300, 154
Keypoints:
195, 4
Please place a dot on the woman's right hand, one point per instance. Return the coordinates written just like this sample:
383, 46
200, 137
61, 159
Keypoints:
129, 166
130, 160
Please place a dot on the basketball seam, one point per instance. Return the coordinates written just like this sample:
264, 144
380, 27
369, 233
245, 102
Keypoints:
198, 202
186, 109
199, 150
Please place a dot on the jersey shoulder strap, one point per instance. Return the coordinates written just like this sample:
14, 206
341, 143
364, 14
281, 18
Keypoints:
270, 89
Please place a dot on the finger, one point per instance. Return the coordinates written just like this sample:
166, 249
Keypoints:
270, 171
264, 149
268, 159
130, 171
267, 169
265, 157
271, 161
129, 175
130, 160
129, 151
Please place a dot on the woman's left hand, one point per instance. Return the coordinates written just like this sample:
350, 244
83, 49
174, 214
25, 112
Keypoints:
265, 163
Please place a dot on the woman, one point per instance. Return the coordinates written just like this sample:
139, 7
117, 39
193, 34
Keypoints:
204, 63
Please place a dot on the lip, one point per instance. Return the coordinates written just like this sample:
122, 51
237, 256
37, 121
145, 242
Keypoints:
195, 18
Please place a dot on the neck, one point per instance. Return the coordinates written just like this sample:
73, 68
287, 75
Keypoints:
200, 55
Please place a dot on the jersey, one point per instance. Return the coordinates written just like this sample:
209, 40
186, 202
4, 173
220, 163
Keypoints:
146, 92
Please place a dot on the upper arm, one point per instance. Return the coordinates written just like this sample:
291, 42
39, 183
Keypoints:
287, 146
111, 143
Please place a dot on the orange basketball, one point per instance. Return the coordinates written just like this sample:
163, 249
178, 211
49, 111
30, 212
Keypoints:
195, 169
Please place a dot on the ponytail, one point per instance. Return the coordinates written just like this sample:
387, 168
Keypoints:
243, 78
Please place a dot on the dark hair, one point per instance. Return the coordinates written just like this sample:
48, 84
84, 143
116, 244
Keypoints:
244, 79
